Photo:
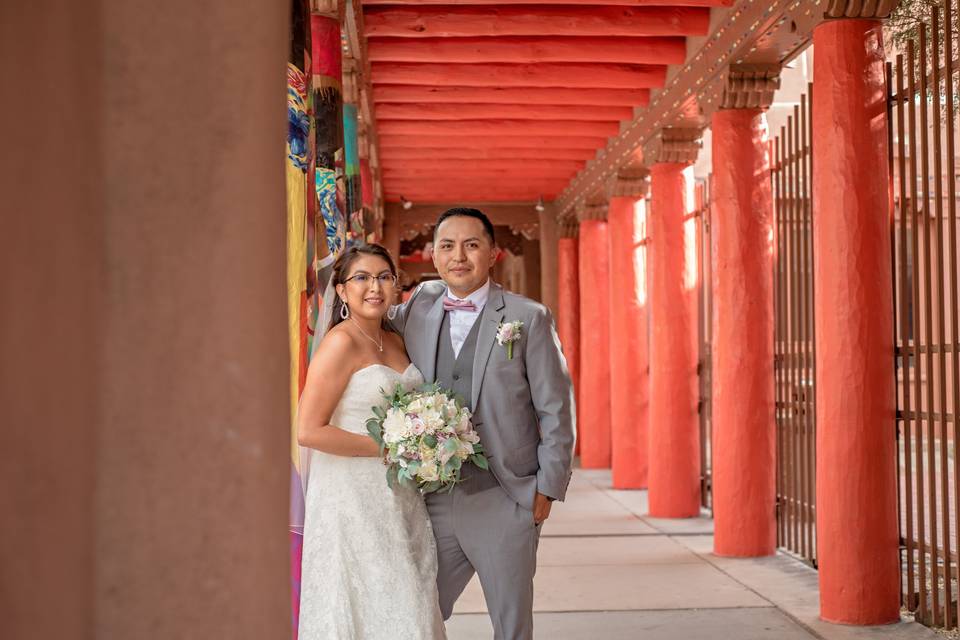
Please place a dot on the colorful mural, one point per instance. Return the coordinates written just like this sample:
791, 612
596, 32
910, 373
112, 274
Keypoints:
328, 105
336, 225
373, 218
315, 206
301, 208
352, 179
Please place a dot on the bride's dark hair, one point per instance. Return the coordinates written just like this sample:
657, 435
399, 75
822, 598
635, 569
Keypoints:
341, 270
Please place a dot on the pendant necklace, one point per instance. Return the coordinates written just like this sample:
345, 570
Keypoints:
379, 344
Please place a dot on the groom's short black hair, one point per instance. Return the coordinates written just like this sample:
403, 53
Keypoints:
467, 212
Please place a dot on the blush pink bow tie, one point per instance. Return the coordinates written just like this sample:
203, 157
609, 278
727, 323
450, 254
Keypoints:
450, 304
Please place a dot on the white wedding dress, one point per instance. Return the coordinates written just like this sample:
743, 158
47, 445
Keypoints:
369, 558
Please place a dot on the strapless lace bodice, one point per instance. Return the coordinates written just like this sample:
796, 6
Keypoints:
369, 557
366, 390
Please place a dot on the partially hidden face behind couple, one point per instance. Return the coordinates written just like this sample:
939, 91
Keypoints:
388, 563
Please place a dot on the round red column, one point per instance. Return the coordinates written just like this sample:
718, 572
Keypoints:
594, 408
628, 333
674, 463
856, 466
568, 302
744, 427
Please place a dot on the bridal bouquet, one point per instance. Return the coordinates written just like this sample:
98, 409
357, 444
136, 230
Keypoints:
425, 437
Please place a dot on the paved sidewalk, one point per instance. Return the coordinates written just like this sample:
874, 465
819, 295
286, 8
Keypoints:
607, 571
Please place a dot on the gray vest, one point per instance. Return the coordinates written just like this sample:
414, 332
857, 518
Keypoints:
456, 372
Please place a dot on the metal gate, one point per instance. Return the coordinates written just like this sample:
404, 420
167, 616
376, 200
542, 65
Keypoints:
794, 342
922, 107
705, 339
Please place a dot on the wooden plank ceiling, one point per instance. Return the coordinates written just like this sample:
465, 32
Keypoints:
500, 100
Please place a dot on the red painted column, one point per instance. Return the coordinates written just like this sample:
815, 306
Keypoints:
674, 464
568, 303
628, 332
594, 258
856, 483
744, 427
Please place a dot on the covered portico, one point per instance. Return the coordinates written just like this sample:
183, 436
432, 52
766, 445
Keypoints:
734, 432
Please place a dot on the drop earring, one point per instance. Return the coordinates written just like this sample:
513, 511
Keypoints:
392, 312
344, 310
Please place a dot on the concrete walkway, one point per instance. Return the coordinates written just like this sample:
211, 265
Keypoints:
607, 571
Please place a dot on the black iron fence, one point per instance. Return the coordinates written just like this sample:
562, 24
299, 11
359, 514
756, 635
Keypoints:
705, 339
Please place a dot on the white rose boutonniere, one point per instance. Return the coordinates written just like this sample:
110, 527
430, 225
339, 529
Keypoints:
507, 334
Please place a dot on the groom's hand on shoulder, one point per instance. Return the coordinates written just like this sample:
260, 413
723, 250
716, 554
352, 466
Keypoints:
541, 508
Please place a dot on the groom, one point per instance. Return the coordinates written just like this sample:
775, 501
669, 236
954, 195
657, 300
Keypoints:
521, 397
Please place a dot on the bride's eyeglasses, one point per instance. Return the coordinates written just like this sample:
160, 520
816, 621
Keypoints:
386, 279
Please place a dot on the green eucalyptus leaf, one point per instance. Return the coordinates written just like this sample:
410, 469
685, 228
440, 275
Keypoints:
451, 445
480, 461
391, 476
373, 428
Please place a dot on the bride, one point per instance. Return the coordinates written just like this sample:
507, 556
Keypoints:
369, 556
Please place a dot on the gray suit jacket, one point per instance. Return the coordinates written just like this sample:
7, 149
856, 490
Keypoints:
523, 407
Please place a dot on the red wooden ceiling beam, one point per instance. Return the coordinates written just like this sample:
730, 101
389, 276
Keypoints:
414, 184
413, 111
465, 170
604, 21
511, 95
450, 181
495, 184
403, 154
474, 165
498, 128
468, 193
419, 187
607, 76
451, 199
455, 175
621, 3
653, 50
474, 197
495, 142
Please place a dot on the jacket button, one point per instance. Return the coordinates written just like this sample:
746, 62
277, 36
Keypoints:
456, 376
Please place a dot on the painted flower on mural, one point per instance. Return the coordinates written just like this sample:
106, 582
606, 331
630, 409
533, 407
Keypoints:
299, 127
298, 121
336, 225
507, 334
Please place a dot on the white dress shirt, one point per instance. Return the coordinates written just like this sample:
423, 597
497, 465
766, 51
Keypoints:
461, 322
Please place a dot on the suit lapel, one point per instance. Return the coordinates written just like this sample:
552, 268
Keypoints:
432, 332
486, 337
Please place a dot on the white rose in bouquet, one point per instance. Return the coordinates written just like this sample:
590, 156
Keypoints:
396, 426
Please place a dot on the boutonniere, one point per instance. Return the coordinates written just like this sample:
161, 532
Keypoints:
507, 334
